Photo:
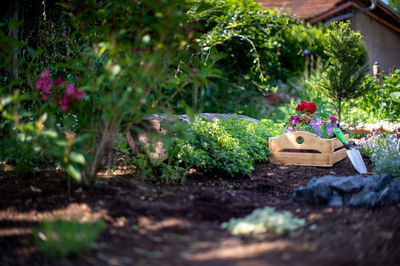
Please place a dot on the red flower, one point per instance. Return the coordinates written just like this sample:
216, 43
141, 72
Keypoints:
311, 107
301, 107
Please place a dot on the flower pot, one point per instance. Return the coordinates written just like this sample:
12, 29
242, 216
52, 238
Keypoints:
305, 148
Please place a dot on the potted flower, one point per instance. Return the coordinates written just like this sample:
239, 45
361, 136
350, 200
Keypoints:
307, 140
307, 120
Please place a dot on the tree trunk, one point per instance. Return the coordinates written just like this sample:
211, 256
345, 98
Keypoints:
195, 97
13, 33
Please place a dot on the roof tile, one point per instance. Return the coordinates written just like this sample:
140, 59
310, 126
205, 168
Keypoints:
302, 8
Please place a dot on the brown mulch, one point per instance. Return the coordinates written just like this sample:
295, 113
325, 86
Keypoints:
150, 224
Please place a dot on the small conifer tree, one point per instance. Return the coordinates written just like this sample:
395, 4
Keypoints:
347, 66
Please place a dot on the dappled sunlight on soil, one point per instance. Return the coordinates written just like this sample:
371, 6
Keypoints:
231, 249
149, 224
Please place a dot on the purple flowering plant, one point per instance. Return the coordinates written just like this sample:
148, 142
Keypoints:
383, 150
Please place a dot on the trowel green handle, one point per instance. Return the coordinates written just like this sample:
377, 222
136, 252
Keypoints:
339, 134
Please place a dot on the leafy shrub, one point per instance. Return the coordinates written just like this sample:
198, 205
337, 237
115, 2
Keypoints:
60, 238
384, 152
231, 146
382, 102
117, 78
264, 220
260, 46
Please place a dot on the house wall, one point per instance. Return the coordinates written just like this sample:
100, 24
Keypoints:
383, 43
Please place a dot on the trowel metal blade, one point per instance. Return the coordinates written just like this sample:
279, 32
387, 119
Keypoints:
357, 161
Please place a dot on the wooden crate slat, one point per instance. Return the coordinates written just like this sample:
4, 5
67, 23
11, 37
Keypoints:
299, 158
311, 142
314, 151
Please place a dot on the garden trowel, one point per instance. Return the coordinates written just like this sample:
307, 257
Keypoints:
353, 154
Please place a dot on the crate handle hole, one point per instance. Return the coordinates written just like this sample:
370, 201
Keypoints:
300, 140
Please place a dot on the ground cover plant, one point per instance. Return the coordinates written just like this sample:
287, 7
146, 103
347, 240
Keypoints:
60, 238
231, 146
264, 220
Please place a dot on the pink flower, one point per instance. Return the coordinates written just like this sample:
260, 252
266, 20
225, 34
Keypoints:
332, 117
45, 75
79, 94
58, 81
70, 90
46, 85
43, 83
193, 70
64, 103
39, 84
45, 95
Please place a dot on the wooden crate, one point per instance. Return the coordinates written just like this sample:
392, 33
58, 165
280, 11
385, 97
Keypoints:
313, 151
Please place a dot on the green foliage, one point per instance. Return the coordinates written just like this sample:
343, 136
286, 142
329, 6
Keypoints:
26, 141
123, 74
231, 146
128, 58
386, 158
60, 238
395, 4
346, 64
262, 221
384, 152
261, 46
382, 102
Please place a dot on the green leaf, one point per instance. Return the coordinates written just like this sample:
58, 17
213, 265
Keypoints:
72, 171
62, 143
37, 53
57, 152
83, 137
50, 133
77, 158
395, 96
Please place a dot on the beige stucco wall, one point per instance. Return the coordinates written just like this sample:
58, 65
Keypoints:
383, 43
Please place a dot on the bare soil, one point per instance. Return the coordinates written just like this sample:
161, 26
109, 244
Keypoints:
150, 224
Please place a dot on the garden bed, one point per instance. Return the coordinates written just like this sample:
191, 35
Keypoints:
149, 224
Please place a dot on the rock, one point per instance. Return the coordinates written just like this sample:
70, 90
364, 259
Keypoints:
325, 179
212, 116
348, 184
148, 136
317, 193
354, 191
364, 199
377, 182
336, 200
391, 194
